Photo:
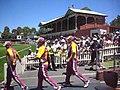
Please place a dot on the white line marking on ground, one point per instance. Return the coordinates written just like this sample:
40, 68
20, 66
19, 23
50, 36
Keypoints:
18, 51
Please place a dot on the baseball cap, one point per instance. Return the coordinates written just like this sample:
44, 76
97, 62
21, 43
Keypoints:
70, 37
40, 39
7, 43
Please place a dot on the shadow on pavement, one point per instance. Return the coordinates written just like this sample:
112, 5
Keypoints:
35, 88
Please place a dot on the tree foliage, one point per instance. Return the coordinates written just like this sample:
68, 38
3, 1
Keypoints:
25, 31
6, 33
116, 21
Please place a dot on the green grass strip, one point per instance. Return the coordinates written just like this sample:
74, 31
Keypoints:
18, 47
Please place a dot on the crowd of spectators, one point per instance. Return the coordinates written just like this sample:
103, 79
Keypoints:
84, 42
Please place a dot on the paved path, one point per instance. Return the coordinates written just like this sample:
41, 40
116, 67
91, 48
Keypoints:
30, 78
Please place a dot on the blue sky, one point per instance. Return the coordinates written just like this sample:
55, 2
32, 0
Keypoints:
14, 13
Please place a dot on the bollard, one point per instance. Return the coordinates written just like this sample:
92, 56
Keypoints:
5, 71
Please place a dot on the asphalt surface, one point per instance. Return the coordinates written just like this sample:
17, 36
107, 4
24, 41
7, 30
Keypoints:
30, 78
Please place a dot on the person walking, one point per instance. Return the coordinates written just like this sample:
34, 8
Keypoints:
72, 63
11, 57
43, 56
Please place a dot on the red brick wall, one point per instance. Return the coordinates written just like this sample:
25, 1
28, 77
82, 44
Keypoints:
84, 32
85, 29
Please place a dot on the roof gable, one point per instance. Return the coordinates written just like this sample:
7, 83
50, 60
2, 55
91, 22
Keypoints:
71, 10
86, 8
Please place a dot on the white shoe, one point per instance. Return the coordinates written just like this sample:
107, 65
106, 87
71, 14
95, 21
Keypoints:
2, 88
59, 88
86, 84
25, 88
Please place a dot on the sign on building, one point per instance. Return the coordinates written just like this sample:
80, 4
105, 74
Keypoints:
19, 37
97, 31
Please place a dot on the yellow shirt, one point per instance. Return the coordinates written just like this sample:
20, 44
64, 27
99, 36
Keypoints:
74, 49
11, 52
42, 54
50, 50
59, 51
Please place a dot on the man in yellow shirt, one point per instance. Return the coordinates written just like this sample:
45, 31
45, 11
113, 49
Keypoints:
72, 63
43, 56
11, 56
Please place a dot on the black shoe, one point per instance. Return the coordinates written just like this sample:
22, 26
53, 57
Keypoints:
73, 74
67, 84
49, 69
91, 68
54, 70
64, 73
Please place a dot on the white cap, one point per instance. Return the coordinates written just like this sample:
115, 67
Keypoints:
77, 41
62, 40
70, 37
30, 49
117, 32
7, 43
87, 40
95, 39
48, 41
56, 39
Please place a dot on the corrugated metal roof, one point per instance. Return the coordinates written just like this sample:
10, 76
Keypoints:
87, 12
51, 20
77, 11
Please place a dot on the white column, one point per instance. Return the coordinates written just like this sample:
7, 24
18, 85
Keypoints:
86, 19
76, 22
5, 72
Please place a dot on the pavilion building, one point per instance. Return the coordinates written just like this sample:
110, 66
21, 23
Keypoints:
75, 22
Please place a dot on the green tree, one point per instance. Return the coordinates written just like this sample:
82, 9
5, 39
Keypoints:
6, 33
26, 31
116, 21
33, 31
14, 31
19, 30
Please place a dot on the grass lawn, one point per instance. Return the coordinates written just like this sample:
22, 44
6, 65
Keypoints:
3, 60
109, 63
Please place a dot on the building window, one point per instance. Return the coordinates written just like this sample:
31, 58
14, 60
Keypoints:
90, 20
54, 27
59, 26
80, 21
64, 25
100, 20
72, 23
49, 26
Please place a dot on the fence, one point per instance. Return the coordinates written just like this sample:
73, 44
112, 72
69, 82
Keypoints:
106, 53
83, 58
30, 64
